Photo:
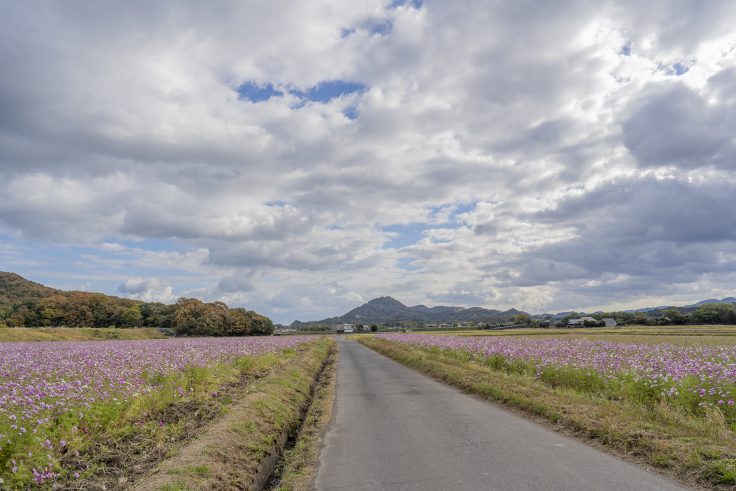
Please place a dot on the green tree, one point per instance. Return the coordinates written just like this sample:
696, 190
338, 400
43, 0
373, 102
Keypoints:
131, 317
675, 316
260, 325
51, 310
186, 319
79, 316
716, 313
238, 322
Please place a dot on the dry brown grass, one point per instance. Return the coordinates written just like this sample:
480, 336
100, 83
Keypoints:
16, 334
698, 451
299, 465
230, 452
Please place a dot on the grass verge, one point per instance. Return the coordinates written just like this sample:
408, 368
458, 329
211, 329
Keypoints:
234, 451
298, 467
14, 334
696, 450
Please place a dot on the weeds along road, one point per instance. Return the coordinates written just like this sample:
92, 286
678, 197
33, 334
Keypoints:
397, 429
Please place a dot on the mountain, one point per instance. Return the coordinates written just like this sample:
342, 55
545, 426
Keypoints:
558, 315
14, 288
644, 310
712, 300
691, 306
384, 310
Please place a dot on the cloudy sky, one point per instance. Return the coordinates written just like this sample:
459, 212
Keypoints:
302, 157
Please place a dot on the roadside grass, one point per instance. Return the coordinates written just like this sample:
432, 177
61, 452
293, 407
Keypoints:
298, 467
17, 334
112, 444
695, 447
238, 450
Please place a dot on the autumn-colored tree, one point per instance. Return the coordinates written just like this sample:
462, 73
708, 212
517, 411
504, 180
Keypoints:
51, 310
24, 303
260, 325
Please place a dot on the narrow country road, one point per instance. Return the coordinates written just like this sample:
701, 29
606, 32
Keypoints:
396, 429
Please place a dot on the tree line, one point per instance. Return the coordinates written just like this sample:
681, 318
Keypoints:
188, 316
711, 313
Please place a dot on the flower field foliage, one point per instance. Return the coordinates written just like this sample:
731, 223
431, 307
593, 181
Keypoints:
55, 395
691, 377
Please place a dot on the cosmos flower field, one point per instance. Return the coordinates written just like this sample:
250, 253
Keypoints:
49, 391
693, 377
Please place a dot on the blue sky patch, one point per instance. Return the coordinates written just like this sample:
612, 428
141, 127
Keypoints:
332, 89
465, 208
675, 69
410, 234
453, 210
407, 264
415, 4
381, 28
351, 112
148, 244
276, 203
323, 92
625, 50
680, 69
257, 93
406, 235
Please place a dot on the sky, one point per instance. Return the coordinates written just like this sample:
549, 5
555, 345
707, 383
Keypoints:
300, 158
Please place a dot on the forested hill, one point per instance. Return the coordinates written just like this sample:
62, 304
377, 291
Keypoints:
389, 310
24, 303
15, 288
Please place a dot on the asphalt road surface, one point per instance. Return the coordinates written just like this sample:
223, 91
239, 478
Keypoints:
394, 428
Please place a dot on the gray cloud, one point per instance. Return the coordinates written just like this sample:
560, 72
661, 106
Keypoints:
236, 283
675, 125
148, 289
657, 230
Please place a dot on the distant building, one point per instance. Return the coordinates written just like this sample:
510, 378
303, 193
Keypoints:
346, 328
609, 322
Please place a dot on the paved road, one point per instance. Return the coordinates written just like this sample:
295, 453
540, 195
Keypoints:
396, 429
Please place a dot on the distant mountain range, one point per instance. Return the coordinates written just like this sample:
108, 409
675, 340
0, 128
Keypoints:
385, 310
691, 306
19, 294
